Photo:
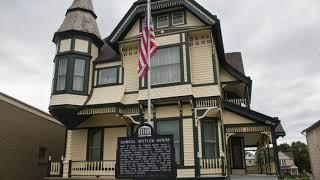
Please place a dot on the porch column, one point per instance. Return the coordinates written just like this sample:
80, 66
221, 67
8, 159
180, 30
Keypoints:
195, 142
275, 151
67, 155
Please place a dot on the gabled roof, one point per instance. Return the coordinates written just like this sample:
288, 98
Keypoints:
315, 125
19, 104
138, 8
250, 114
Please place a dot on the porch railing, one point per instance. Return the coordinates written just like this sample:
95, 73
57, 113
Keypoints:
211, 166
92, 168
55, 169
239, 102
206, 103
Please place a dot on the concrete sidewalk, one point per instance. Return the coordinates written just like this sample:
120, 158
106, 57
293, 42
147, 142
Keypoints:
254, 177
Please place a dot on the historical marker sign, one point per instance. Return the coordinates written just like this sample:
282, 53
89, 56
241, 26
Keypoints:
146, 155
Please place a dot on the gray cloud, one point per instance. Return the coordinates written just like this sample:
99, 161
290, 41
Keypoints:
279, 41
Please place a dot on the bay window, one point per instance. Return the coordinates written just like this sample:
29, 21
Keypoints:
78, 74
172, 127
61, 74
165, 66
71, 75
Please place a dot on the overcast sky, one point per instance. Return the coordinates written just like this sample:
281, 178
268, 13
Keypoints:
279, 41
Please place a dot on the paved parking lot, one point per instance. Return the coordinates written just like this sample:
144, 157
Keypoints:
254, 177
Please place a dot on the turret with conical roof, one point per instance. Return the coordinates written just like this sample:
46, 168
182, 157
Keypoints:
78, 42
80, 19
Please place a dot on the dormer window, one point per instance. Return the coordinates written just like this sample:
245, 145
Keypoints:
62, 74
108, 76
163, 21
178, 18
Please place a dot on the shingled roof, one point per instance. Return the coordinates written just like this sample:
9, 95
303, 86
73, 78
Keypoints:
107, 53
235, 60
80, 17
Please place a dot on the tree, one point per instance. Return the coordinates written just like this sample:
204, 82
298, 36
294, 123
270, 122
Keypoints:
284, 147
301, 155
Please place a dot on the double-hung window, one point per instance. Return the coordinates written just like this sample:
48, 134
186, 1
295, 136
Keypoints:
108, 76
209, 139
95, 144
165, 66
62, 74
78, 75
172, 128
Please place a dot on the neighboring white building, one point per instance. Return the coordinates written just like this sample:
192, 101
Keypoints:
251, 159
287, 165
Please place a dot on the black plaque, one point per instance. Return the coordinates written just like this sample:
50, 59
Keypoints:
146, 156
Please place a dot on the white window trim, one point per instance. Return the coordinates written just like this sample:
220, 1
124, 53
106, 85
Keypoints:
158, 21
183, 18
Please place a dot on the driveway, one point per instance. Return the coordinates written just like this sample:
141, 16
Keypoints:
254, 177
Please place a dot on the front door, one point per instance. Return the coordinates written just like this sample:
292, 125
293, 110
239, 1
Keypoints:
237, 153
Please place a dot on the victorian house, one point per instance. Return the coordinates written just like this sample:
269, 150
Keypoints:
200, 94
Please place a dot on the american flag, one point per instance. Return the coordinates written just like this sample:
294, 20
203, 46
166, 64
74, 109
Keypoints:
143, 60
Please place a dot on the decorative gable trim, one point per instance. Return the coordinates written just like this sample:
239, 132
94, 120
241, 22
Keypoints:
139, 7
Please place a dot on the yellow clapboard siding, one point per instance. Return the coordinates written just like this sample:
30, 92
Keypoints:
188, 146
185, 173
78, 150
187, 110
110, 141
206, 91
166, 40
102, 120
71, 99
131, 79
166, 92
167, 111
232, 118
201, 63
225, 76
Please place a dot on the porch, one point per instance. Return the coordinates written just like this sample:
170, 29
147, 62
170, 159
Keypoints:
106, 169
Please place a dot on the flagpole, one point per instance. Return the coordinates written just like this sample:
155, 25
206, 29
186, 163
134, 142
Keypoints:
149, 62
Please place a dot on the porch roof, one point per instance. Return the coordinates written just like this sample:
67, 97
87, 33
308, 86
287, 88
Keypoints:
253, 115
